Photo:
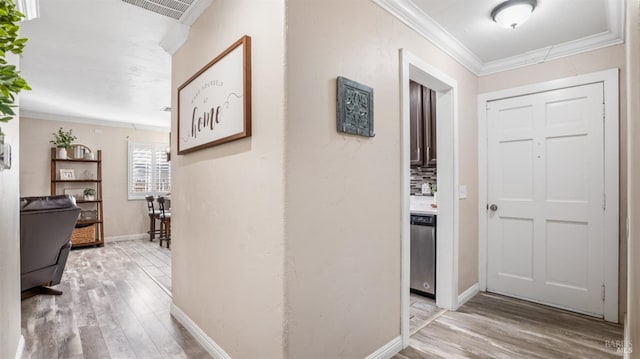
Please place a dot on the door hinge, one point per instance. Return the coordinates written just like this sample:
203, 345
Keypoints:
603, 292
604, 111
604, 201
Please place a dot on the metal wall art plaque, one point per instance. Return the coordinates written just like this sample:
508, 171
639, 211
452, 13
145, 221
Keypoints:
355, 108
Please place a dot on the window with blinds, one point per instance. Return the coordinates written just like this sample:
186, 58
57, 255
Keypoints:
149, 170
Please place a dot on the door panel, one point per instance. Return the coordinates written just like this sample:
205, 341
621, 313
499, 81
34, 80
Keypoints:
546, 176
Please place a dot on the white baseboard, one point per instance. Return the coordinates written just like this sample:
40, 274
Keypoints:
126, 237
201, 337
468, 294
20, 349
388, 350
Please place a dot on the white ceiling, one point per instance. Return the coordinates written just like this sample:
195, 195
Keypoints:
101, 60
557, 28
552, 22
96, 60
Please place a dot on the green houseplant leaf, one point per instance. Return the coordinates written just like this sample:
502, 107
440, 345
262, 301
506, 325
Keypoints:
11, 83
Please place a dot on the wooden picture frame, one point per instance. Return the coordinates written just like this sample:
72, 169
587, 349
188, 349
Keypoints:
214, 105
66, 174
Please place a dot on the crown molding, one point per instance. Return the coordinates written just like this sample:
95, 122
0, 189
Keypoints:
90, 121
179, 32
545, 54
414, 17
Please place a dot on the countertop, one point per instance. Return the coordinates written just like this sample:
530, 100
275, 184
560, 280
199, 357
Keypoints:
421, 205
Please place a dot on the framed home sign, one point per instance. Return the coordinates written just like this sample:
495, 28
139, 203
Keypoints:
214, 105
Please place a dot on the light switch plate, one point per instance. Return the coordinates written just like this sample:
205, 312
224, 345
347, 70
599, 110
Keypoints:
463, 191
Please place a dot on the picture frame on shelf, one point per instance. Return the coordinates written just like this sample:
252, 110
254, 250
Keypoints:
77, 193
67, 174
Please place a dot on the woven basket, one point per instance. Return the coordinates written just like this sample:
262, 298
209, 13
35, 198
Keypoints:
84, 235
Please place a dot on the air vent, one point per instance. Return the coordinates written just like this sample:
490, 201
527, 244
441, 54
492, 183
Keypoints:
170, 8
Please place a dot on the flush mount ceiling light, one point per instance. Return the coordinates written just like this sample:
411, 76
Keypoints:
513, 13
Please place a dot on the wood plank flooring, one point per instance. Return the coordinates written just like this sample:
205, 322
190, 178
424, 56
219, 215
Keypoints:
154, 259
110, 309
494, 326
422, 311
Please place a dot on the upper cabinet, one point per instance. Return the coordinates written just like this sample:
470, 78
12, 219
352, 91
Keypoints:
422, 112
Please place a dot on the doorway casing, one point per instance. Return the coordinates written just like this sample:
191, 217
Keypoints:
413, 68
611, 158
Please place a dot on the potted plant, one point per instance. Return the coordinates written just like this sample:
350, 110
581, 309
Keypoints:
63, 141
89, 194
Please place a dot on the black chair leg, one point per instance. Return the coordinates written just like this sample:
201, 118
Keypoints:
39, 290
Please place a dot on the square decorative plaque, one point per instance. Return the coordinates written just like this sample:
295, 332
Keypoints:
355, 108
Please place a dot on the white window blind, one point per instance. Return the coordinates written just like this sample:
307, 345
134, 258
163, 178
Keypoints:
149, 171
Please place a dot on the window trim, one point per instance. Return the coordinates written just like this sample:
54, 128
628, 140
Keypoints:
155, 147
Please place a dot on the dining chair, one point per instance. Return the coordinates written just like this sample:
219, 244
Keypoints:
153, 216
165, 222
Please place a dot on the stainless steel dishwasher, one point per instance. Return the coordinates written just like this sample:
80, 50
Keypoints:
423, 254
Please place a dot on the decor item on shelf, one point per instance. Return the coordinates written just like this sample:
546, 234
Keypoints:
88, 215
354, 110
215, 103
63, 141
87, 175
89, 194
66, 174
77, 193
11, 83
80, 152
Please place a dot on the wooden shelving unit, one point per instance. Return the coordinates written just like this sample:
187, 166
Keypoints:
59, 185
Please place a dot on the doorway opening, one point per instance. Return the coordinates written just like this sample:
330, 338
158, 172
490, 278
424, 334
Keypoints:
414, 69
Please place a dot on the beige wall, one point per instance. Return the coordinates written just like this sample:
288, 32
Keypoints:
122, 217
10, 246
633, 134
602, 59
227, 203
343, 193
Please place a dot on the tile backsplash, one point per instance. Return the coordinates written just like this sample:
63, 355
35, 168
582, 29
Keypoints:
420, 175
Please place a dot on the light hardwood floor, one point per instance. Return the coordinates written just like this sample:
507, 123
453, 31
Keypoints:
153, 258
422, 311
494, 326
110, 309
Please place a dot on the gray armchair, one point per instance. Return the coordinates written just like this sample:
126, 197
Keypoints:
46, 224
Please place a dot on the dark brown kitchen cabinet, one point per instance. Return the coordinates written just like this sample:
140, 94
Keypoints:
422, 112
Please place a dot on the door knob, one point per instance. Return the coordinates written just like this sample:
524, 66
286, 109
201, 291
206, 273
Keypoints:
493, 207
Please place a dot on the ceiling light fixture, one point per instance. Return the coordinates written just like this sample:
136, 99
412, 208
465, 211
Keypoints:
30, 8
513, 13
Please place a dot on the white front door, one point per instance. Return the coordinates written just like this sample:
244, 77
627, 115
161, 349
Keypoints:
546, 180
